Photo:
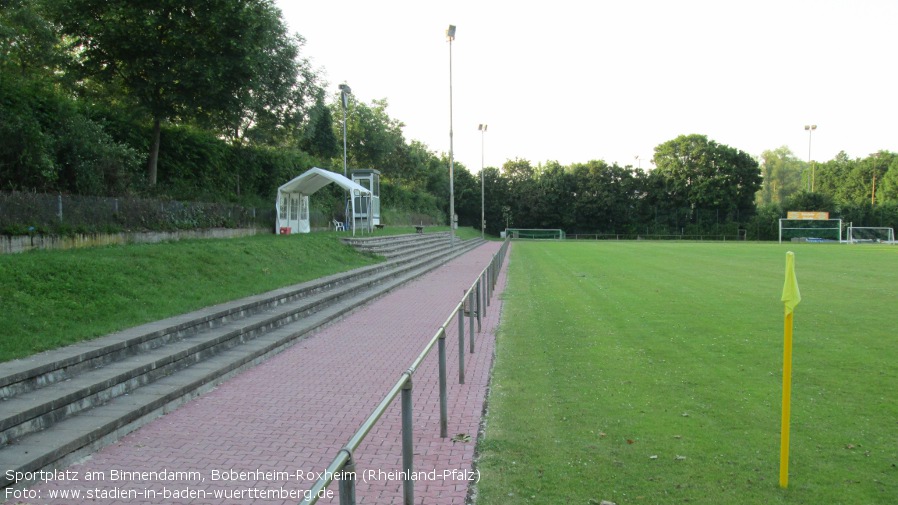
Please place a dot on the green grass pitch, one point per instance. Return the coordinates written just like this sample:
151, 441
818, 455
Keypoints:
640, 372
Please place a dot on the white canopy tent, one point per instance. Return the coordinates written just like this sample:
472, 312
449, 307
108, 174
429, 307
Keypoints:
292, 204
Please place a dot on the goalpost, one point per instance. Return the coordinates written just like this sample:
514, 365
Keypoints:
535, 233
870, 235
810, 227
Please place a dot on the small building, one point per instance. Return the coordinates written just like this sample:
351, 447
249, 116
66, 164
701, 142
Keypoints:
292, 204
364, 213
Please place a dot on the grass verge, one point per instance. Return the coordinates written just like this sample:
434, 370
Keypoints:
652, 373
53, 298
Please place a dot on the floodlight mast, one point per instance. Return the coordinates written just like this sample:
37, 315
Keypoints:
345, 91
810, 129
450, 36
482, 128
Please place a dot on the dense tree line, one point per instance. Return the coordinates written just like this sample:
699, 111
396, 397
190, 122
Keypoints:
205, 100
862, 191
214, 100
698, 186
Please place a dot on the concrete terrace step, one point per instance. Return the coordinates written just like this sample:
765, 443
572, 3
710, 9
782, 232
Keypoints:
28, 374
28, 413
396, 245
48, 426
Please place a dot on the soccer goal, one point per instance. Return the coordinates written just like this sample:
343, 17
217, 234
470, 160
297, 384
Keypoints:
535, 233
870, 235
806, 230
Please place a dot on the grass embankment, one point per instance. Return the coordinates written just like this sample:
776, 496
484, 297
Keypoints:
53, 298
652, 373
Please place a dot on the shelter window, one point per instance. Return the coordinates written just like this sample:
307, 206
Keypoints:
303, 209
284, 208
293, 208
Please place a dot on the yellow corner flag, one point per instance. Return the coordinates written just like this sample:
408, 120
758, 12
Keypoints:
791, 295
791, 298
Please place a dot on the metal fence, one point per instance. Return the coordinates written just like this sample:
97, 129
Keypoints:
643, 236
23, 213
477, 297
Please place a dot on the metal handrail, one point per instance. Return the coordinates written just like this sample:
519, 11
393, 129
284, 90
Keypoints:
343, 465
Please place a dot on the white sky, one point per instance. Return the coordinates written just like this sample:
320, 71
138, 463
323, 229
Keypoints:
577, 80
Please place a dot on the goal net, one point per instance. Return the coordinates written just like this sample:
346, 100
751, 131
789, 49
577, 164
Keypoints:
804, 230
870, 235
535, 233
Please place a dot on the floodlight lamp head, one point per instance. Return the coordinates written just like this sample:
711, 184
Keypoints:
345, 89
450, 33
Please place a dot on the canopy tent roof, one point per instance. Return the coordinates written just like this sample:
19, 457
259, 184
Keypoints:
291, 205
316, 178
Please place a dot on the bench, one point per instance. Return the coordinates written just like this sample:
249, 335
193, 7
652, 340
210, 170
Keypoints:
419, 228
379, 226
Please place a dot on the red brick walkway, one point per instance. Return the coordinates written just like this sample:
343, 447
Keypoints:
291, 415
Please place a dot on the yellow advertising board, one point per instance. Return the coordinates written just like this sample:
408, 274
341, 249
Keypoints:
806, 215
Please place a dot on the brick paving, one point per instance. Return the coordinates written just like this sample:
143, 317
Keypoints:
291, 415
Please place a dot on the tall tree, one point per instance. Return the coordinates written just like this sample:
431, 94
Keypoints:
29, 43
704, 175
374, 139
555, 195
889, 184
523, 192
605, 198
831, 175
781, 176
178, 60
318, 137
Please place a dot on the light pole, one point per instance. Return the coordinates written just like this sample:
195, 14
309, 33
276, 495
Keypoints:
482, 128
874, 156
638, 163
450, 36
810, 129
344, 96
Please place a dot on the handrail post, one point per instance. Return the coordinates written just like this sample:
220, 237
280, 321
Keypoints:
483, 288
408, 449
347, 486
444, 399
471, 319
479, 307
461, 344
489, 283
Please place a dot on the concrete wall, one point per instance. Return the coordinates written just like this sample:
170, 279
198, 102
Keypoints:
27, 243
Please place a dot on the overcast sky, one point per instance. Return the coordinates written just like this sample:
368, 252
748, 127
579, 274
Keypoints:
577, 80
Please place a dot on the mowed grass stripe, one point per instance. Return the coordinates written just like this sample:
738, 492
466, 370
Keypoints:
612, 353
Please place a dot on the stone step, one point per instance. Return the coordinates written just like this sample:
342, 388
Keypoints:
28, 413
118, 398
27, 374
396, 245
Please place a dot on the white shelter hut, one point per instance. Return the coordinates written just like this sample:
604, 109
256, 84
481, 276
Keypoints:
292, 204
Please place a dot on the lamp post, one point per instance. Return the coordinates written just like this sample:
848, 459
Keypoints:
482, 128
344, 96
450, 36
874, 157
810, 129
638, 163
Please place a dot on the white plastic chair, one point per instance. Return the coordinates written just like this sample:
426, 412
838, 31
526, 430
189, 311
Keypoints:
338, 226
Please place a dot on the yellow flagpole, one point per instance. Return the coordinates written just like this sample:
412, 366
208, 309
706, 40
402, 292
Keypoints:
787, 393
791, 297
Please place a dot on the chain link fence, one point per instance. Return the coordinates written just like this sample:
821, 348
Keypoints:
23, 213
